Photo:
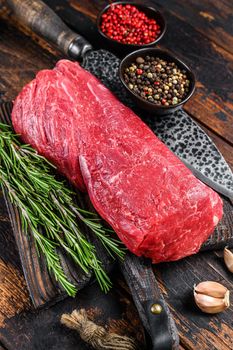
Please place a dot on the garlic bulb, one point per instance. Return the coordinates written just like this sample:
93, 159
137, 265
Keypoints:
211, 297
228, 258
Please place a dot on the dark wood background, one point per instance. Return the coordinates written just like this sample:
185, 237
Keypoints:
200, 32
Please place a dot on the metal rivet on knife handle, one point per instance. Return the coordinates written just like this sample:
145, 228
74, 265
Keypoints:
156, 309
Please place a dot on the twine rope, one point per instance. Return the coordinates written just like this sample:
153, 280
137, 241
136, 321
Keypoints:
98, 337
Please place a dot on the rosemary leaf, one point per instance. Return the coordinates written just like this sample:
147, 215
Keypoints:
46, 205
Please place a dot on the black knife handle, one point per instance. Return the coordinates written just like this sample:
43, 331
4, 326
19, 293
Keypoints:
151, 306
42, 20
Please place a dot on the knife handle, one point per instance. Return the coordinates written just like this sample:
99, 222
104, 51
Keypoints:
151, 306
42, 20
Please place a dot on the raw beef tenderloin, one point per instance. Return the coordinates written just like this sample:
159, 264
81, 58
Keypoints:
151, 200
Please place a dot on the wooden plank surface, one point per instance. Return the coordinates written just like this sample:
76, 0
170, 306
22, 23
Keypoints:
212, 19
42, 330
198, 330
20, 59
206, 48
42, 286
212, 104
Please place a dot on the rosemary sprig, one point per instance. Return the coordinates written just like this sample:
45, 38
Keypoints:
47, 203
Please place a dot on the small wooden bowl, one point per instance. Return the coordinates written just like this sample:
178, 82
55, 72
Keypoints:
149, 11
150, 106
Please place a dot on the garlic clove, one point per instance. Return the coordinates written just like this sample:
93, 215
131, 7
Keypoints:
211, 297
211, 288
210, 304
228, 258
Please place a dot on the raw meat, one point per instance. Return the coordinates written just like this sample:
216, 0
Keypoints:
152, 201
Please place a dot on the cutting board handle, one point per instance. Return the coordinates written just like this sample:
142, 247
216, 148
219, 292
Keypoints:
42, 20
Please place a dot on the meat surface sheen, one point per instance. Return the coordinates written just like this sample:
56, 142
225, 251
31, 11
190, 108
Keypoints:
151, 200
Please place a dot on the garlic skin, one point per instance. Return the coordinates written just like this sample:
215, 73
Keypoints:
228, 258
211, 288
211, 297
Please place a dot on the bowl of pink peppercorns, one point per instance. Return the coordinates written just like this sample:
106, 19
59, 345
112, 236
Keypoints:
131, 26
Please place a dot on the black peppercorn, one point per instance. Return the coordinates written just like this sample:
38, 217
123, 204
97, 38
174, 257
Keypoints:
157, 80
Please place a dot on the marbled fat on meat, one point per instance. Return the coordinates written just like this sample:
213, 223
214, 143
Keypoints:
152, 201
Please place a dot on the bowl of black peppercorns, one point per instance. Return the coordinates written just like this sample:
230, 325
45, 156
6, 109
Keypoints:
157, 80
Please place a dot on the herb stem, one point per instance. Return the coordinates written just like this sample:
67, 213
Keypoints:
48, 211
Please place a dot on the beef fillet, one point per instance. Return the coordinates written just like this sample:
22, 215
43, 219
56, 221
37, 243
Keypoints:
152, 201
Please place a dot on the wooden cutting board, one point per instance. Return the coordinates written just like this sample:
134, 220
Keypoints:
20, 56
41, 284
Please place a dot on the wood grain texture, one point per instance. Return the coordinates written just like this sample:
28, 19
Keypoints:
42, 286
9, 252
41, 329
20, 58
78, 25
13, 292
146, 292
5, 13
214, 22
44, 289
197, 330
42, 20
211, 104
14, 295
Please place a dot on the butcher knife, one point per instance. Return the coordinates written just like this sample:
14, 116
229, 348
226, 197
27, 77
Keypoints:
151, 305
105, 65
137, 272
177, 130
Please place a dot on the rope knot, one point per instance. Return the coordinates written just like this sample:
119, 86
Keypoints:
95, 335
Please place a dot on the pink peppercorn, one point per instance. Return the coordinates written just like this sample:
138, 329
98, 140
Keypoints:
139, 71
128, 25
